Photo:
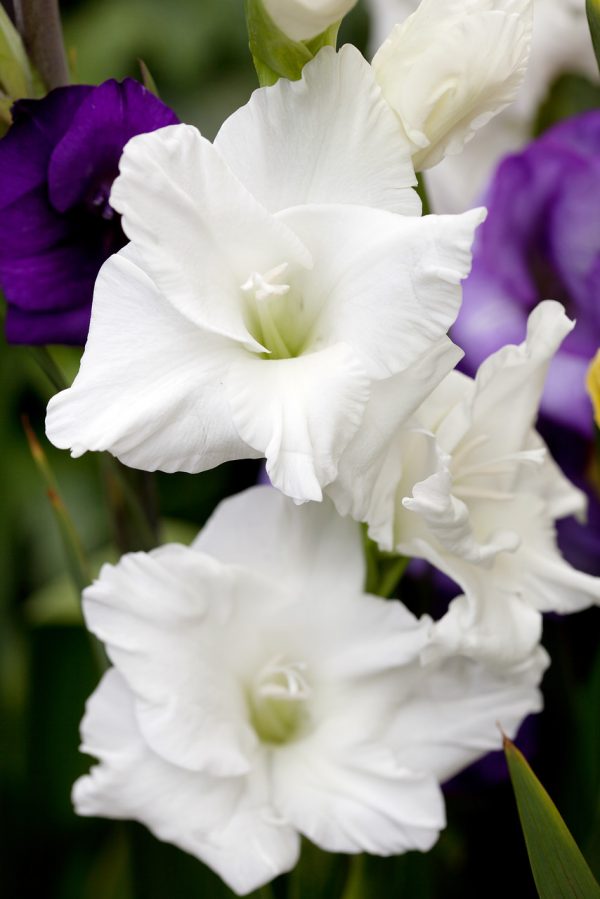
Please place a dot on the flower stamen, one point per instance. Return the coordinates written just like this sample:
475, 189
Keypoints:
262, 289
277, 700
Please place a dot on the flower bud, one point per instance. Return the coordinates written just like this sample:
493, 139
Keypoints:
451, 67
302, 20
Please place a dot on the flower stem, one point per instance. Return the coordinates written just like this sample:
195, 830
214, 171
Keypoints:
384, 570
132, 505
38, 22
422, 191
77, 561
131, 495
355, 884
50, 368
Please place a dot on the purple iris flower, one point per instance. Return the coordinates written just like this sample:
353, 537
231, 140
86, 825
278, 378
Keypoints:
541, 241
57, 165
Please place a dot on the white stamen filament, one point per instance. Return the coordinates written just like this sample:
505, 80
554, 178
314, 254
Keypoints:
471, 492
283, 680
262, 289
496, 466
276, 700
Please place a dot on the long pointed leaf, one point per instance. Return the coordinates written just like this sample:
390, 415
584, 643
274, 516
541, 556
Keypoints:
559, 869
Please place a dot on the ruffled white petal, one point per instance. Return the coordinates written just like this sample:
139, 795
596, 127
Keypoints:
449, 68
509, 384
362, 638
189, 712
362, 802
225, 822
493, 623
370, 466
387, 285
300, 413
327, 138
562, 498
150, 386
459, 708
448, 519
310, 549
199, 231
554, 585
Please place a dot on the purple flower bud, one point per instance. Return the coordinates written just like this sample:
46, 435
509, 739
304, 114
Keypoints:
57, 166
541, 241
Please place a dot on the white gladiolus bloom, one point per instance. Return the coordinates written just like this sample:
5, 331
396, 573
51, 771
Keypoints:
301, 20
452, 66
270, 282
258, 694
560, 44
472, 488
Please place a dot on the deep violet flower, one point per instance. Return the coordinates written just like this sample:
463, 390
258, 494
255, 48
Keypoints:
57, 165
541, 240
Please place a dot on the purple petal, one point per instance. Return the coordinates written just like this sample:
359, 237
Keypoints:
86, 160
25, 151
565, 399
541, 241
68, 327
59, 157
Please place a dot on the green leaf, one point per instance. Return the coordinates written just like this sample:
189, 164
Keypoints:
569, 95
275, 55
559, 869
593, 14
15, 71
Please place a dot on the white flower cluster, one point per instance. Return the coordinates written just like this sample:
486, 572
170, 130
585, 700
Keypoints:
282, 297
560, 45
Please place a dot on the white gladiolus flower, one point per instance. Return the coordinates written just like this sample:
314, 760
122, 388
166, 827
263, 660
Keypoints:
452, 66
269, 284
301, 20
472, 488
258, 694
560, 44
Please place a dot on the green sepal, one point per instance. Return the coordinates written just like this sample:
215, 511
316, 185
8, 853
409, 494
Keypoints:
15, 72
274, 54
593, 15
559, 869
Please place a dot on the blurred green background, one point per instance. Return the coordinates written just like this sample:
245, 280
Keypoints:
197, 53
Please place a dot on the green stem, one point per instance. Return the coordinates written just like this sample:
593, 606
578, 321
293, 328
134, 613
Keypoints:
422, 191
49, 366
77, 561
76, 558
384, 570
134, 527
38, 22
390, 575
355, 884
131, 495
